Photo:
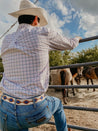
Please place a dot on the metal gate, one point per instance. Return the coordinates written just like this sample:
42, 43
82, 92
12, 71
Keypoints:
76, 86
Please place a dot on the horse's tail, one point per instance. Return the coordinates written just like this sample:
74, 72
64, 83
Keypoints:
96, 71
63, 75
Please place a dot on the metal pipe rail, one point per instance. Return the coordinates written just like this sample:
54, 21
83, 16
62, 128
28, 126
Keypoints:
75, 107
81, 108
88, 39
74, 65
77, 127
73, 86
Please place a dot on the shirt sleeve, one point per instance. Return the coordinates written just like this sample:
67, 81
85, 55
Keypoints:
58, 42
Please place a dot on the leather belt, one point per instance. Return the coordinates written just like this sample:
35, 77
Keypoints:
12, 100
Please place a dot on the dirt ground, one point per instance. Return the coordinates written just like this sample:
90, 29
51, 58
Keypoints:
83, 98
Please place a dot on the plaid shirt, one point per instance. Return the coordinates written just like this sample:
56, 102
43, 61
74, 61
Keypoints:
25, 55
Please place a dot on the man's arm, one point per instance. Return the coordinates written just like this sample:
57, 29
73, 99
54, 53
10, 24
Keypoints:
59, 42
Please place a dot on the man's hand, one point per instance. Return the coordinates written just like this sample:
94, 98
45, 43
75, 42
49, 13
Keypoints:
78, 37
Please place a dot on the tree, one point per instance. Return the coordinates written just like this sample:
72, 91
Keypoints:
88, 55
55, 58
66, 57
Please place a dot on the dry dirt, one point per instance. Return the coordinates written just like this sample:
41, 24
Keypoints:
83, 98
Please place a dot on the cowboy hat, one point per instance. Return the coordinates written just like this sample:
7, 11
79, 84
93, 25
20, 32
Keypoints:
28, 8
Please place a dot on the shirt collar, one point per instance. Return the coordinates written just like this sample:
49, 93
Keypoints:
21, 26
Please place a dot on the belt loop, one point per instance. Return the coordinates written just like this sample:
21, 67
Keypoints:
34, 102
1, 99
15, 104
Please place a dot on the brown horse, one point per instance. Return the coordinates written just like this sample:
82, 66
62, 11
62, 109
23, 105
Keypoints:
90, 73
65, 77
68, 76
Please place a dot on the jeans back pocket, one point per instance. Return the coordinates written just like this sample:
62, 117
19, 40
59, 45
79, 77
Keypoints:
40, 117
3, 121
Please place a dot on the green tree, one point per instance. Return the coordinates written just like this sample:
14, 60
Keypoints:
66, 57
55, 58
88, 55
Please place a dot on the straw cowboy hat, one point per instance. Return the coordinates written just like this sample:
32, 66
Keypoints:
28, 8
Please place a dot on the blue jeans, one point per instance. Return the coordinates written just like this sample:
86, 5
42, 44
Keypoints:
21, 117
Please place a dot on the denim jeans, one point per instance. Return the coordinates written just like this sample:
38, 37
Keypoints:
21, 117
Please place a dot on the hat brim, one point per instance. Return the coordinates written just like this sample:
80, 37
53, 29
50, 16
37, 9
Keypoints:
32, 11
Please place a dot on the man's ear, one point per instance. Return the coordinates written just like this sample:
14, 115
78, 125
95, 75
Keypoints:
36, 20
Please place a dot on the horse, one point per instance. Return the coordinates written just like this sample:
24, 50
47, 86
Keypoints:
90, 73
67, 77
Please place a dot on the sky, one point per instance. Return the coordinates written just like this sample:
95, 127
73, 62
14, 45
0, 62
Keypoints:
69, 17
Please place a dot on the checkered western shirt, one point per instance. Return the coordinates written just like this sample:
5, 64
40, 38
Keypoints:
25, 55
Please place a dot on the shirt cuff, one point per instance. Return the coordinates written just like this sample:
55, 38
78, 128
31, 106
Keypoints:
77, 38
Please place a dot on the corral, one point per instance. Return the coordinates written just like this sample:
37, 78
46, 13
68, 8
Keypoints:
88, 100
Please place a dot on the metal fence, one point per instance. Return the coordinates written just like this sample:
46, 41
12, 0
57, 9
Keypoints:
76, 86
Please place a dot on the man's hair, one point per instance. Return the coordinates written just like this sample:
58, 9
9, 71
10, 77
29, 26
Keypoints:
28, 19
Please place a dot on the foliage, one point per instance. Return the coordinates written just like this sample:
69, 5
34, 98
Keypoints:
1, 65
88, 55
55, 58
64, 58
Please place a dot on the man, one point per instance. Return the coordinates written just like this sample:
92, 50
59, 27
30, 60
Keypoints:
25, 56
